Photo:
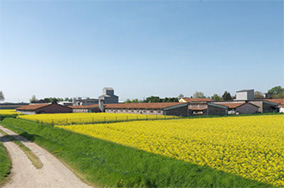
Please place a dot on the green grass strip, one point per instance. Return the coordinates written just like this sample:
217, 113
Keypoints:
108, 164
29, 153
5, 164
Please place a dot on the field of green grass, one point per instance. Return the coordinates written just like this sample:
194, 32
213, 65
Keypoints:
5, 163
107, 164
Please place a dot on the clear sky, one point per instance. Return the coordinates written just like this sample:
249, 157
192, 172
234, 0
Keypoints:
140, 48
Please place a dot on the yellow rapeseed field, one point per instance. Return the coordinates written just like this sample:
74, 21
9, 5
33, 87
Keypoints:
252, 147
81, 118
9, 112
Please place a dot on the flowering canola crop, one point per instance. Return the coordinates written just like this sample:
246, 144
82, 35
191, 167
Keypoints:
75, 118
9, 112
252, 147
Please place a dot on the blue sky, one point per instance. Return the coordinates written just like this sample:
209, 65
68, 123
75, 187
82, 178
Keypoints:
140, 48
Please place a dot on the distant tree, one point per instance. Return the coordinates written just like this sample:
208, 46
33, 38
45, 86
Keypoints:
226, 96
216, 97
135, 101
277, 92
33, 99
181, 96
152, 99
198, 94
166, 99
158, 99
60, 99
258, 95
174, 99
2, 98
68, 99
128, 101
280, 95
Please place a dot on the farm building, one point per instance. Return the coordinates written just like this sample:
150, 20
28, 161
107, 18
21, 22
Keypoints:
43, 108
266, 105
280, 103
206, 109
216, 109
86, 109
84, 101
197, 106
174, 108
108, 96
245, 95
239, 107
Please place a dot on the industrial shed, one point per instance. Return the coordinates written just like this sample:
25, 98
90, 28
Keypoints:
280, 103
239, 107
197, 106
174, 108
86, 109
267, 105
216, 109
43, 108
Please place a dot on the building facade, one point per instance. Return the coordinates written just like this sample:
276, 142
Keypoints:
84, 101
86, 109
265, 106
239, 107
175, 109
43, 109
245, 95
215, 109
108, 96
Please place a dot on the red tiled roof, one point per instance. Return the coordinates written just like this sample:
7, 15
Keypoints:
197, 99
84, 107
142, 105
232, 104
33, 106
280, 101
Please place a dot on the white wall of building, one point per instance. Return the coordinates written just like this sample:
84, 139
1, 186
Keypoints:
245, 95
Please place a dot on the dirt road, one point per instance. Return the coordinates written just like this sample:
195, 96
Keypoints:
53, 173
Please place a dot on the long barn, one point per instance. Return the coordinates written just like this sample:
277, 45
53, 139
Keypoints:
44, 108
174, 108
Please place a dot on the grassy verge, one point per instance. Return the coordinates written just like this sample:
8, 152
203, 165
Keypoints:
31, 156
5, 164
108, 164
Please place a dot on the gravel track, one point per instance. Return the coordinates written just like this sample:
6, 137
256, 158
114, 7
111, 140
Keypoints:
53, 174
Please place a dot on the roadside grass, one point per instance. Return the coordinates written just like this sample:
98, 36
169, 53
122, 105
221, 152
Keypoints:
31, 156
5, 164
108, 164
